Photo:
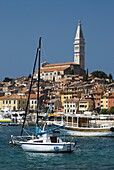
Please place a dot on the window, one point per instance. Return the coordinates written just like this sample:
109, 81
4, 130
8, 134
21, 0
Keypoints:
81, 105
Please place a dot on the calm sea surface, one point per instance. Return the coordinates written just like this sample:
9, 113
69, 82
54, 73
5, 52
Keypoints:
91, 153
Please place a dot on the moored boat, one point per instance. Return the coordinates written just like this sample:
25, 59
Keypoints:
47, 143
5, 121
81, 125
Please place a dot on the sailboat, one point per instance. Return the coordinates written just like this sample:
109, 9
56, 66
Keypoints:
43, 140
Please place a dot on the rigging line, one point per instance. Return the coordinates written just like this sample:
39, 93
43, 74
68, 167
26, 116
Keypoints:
43, 51
30, 90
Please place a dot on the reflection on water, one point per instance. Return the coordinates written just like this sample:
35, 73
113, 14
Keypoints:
41, 155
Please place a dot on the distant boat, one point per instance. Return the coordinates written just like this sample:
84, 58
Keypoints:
6, 121
81, 125
43, 139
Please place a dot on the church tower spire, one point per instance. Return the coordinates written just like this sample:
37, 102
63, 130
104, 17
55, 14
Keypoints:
79, 47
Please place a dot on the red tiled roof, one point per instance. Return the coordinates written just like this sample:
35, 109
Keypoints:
60, 64
34, 96
13, 96
53, 69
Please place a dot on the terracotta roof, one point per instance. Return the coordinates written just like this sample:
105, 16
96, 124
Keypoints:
23, 90
111, 84
97, 91
60, 64
111, 96
34, 96
13, 96
53, 69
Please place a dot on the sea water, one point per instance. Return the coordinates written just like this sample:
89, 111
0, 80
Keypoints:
92, 153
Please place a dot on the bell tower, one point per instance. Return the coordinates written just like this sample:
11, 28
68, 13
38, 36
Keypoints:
79, 47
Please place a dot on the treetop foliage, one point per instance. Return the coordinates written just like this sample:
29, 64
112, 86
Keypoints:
101, 74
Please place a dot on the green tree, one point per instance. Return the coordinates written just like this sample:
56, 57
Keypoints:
7, 79
110, 77
103, 111
99, 74
85, 78
111, 111
29, 76
72, 71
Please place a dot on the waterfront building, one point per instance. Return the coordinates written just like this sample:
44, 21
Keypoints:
68, 93
71, 106
104, 102
13, 102
111, 101
33, 101
86, 105
65, 95
97, 94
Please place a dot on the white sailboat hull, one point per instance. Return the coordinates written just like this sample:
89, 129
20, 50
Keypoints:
48, 147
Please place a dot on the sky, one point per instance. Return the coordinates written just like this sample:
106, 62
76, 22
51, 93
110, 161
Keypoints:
22, 22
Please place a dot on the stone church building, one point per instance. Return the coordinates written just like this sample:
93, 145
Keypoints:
77, 67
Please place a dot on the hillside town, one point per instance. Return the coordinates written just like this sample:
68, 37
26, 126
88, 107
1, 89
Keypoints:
67, 87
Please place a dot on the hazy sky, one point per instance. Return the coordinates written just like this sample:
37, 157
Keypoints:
23, 21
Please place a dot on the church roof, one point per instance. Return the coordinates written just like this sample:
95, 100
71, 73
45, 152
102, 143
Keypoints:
60, 64
45, 69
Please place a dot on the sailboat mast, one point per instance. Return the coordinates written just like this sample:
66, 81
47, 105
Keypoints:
38, 100
27, 106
